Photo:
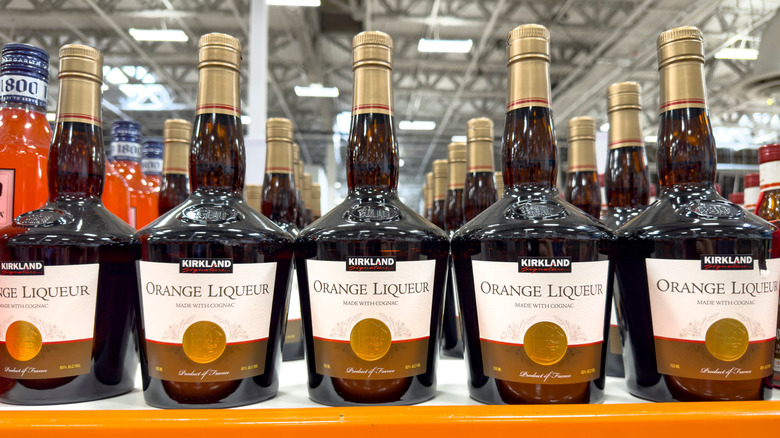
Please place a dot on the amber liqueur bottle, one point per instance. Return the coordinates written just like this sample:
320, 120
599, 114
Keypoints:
175, 186
316, 201
280, 202
582, 179
532, 269
499, 184
68, 297
371, 270
451, 336
697, 290
24, 131
214, 274
479, 189
769, 208
307, 199
440, 181
626, 179
428, 196
254, 196
298, 177
626, 185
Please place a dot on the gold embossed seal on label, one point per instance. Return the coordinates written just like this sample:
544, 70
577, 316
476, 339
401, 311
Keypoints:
370, 339
727, 339
545, 343
204, 342
23, 340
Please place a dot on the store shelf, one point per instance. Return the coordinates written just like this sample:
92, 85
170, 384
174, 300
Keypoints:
292, 414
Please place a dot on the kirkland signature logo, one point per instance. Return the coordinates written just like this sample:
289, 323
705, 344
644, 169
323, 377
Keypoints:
742, 262
373, 264
21, 268
544, 264
206, 266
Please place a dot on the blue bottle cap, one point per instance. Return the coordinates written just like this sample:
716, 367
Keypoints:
24, 74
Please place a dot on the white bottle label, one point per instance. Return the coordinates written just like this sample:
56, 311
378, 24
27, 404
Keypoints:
125, 151
371, 316
152, 166
206, 319
541, 320
26, 89
47, 319
6, 197
714, 318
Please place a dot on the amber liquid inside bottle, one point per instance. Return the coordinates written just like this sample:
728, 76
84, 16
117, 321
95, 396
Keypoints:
479, 193
451, 336
216, 223
668, 230
627, 185
583, 191
280, 200
175, 190
74, 228
503, 234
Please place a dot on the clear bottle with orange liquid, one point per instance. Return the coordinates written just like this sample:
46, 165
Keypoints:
24, 131
126, 158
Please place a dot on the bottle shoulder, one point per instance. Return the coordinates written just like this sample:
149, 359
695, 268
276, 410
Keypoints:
372, 218
694, 213
615, 217
527, 214
213, 218
68, 223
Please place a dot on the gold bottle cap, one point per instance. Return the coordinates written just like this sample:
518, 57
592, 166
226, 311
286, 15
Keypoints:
582, 128
296, 152
480, 129
582, 144
316, 195
623, 95
528, 41
456, 152
440, 175
219, 49
177, 130
307, 190
254, 196
429, 185
499, 183
279, 129
76, 58
440, 168
372, 47
678, 44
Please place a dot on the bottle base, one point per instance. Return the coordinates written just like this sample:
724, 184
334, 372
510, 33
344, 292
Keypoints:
210, 395
44, 397
352, 392
503, 392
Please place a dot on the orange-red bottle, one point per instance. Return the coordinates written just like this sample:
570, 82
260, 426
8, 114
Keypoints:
116, 193
126, 159
25, 133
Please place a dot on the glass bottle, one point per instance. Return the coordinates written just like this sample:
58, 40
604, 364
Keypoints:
116, 193
768, 207
175, 186
682, 263
152, 163
70, 265
429, 196
307, 192
125, 157
298, 177
25, 133
372, 248
202, 349
626, 179
254, 196
532, 269
582, 179
316, 201
752, 190
279, 196
479, 190
440, 178
451, 336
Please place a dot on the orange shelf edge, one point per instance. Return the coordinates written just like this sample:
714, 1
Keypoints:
726, 419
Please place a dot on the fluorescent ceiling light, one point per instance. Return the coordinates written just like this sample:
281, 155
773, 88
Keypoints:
417, 125
304, 3
651, 139
316, 90
173, 35
459, 139
401, 162
737, 53
116, 77
444, 46
604, 127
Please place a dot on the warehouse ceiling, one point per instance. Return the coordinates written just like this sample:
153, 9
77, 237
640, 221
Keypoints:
594, 43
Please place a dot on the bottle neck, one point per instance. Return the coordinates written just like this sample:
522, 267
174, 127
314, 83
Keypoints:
686, 145
372, 152
279, 159
529, 151
175, 156
217, 153
457, 175
582, 155
626, 179
480, 156
77, 161
8, 104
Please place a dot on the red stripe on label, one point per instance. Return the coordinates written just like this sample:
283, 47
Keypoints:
683, 102
480, 169
278, 169
80, 116
628, 140
520, 345
175, 169
578, 168
770, 186
528, 100
228, 343
372, 106
690, 341
217, 106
